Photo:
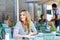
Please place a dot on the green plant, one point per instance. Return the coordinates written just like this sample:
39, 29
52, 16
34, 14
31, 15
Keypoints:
13, 23
52, 28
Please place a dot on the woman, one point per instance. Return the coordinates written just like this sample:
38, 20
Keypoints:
43, 20
7, 21
24, 27
42, 23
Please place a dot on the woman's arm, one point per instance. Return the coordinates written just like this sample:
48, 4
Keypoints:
17, 30
21, 36
32, 33
33, 29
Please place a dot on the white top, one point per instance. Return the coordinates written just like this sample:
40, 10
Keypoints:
57, 11
20, 30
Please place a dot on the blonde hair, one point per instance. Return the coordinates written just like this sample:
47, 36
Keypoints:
27, 20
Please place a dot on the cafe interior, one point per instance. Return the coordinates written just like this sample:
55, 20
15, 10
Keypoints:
39, 10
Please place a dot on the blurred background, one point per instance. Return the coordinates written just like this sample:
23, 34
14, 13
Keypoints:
35, 7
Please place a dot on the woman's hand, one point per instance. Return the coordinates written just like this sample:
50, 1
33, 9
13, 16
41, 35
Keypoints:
27, 36
21, 36
32, 33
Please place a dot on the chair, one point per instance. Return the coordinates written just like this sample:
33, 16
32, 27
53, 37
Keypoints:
4, 25
0, 33
58, 32
38, 28
49, 36
8, 30
42, 27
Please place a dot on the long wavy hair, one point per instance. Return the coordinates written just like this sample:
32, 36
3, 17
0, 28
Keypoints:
27, 20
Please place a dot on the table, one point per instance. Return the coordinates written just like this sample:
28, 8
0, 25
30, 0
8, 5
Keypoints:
38, 38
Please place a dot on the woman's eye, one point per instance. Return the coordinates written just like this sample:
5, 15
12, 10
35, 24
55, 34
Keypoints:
23, 14
20, 15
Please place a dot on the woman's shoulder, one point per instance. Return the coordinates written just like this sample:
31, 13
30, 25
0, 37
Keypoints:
18, 24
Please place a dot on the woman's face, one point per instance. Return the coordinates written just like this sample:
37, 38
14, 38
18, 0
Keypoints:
22, 16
